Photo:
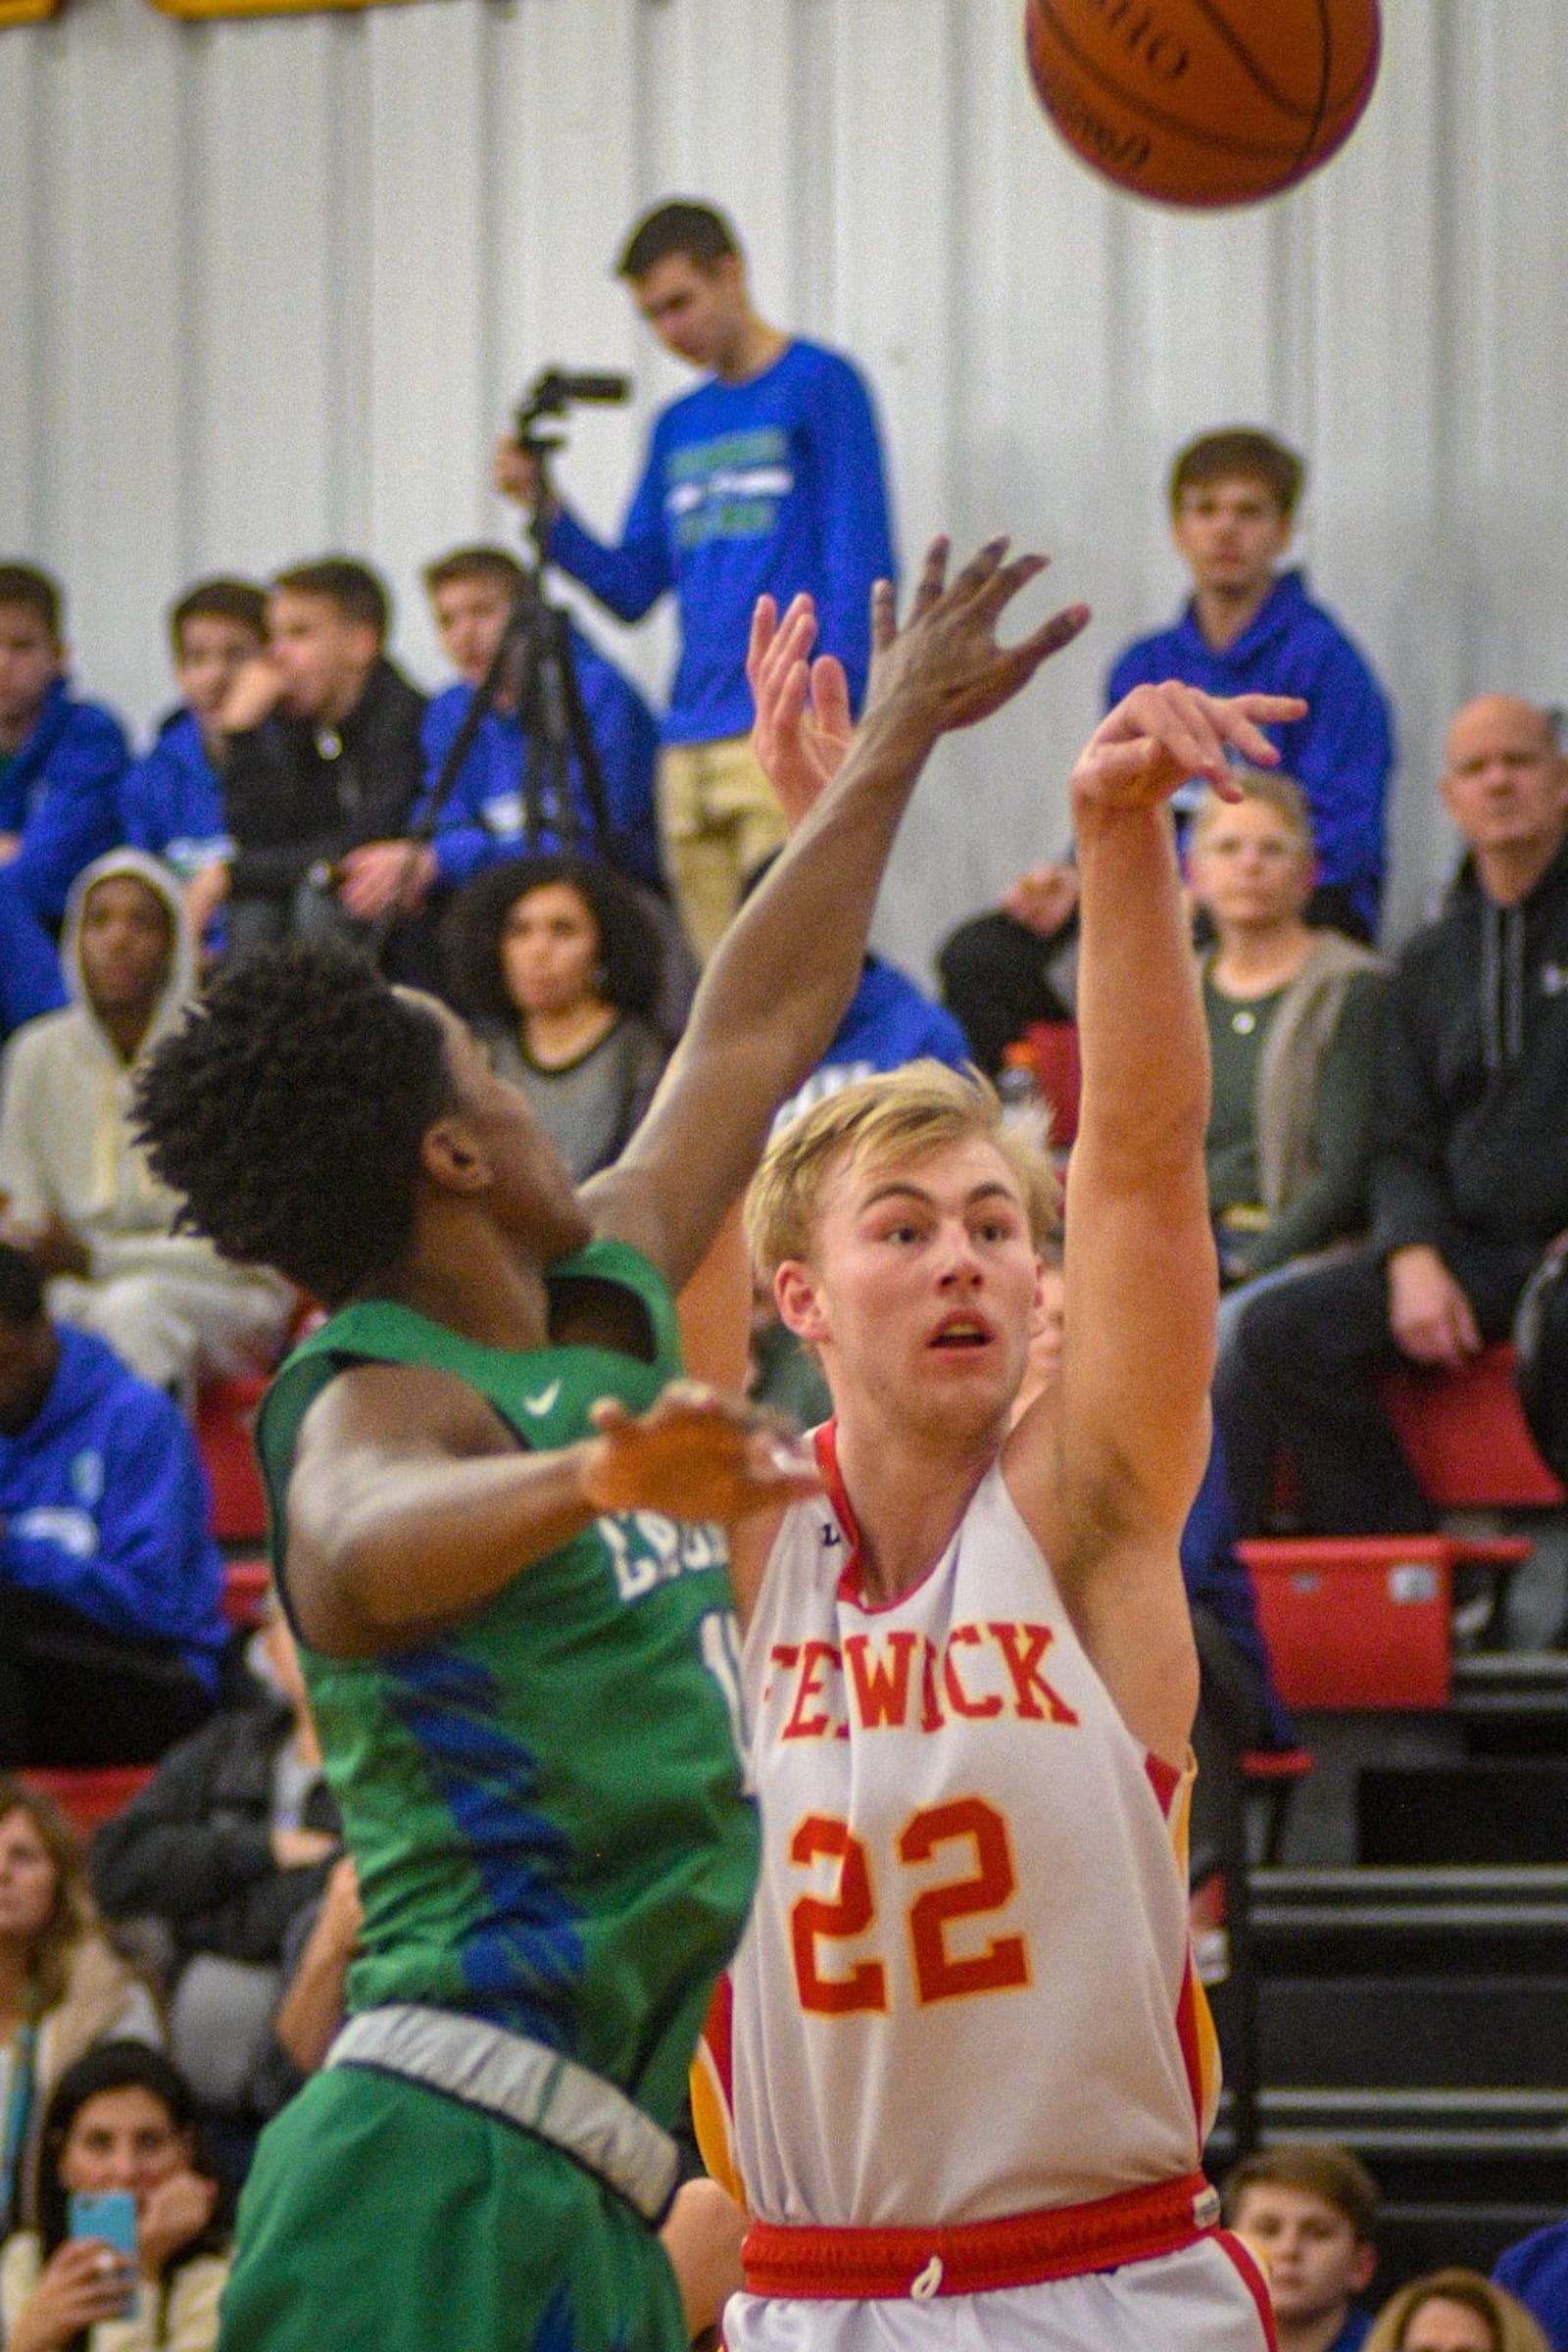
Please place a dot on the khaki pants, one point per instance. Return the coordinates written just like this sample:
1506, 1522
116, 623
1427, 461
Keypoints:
719, 818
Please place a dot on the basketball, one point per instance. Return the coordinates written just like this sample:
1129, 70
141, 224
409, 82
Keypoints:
1203, 101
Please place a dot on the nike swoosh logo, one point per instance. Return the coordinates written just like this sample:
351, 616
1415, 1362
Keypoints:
544, 1400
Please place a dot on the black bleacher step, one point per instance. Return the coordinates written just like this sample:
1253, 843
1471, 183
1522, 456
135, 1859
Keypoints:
1414, 2238
1486, 1811
1379, 1921
1440, 2032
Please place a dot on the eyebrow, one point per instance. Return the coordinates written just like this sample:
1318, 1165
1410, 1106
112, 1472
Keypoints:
900, 1189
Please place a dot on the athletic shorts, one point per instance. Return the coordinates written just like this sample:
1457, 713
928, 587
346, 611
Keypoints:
383, 2216
1209, 2297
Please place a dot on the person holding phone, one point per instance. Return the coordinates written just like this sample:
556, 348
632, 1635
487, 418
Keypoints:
126, 2252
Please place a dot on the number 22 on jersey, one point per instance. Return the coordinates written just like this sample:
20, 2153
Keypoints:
950, 1962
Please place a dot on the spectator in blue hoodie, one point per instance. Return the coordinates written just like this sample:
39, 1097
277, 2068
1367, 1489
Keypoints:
1248, 627
764, 480
111, 1624
485, 820
61, 763
172, 801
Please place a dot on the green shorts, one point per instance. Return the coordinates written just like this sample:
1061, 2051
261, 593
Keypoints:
379, 2214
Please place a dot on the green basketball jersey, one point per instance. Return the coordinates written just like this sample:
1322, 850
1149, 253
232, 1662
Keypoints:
545, 1805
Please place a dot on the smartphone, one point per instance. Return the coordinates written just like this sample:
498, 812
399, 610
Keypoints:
109, 2215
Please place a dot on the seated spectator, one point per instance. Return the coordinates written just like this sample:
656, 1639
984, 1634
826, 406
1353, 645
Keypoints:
1248, 627
487, 817
226, 1847
558, 968
1293, 1019
228, 1843
1536, 2272
62, 1987
61, 765
121, 2118
172, 801
1310, 2213
322, 736
1470, 1170
112, 1630
1454, 2311
79, 1197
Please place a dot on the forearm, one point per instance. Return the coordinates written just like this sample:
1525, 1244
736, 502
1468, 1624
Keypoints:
1140, 1016
384, 1551
800, 942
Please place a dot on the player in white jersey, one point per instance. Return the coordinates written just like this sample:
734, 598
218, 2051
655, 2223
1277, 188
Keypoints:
968, 2058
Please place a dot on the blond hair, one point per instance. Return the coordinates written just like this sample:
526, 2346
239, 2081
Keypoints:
1276, 790
899, 1114
1512, 2328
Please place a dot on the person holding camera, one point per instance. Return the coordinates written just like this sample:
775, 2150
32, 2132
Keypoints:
764, 480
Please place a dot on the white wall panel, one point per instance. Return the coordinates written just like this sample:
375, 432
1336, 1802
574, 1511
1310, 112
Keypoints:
270, 287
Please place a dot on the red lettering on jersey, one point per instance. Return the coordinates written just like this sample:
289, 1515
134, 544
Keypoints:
931, 1715
880, 1685
1023, 1646
814, 1656
784, 1655
845, 1915
958, 1699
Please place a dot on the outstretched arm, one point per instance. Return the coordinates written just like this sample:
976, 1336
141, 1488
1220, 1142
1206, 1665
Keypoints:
777, 988
1108, 1481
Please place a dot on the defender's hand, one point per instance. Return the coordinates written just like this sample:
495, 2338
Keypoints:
695, 1454
945, 668
1160, 736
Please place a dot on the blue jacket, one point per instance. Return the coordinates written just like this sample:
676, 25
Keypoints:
1217, 1579
31, 978
104, 1504
171, 803
889, 1022
61, 792
1536, 2272
1340, 753
483, 822
770, 486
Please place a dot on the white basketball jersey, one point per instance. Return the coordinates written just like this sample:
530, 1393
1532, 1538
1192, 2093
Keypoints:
966, 1990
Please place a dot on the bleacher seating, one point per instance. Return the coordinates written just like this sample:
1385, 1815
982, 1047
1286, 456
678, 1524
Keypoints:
1466, 1437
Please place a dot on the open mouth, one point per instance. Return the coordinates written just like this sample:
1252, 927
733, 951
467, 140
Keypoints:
964, 1334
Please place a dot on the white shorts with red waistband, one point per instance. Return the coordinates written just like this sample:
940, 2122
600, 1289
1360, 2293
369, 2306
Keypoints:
1208, 2297
1144, 2271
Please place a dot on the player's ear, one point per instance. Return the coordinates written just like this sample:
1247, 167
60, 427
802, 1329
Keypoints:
800, 1307
451, 1154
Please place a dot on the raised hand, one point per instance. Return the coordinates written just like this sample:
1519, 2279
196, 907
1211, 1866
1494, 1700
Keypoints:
177, 2210
1159, 736
84, 2282
945, 668
803, 724
695, 1454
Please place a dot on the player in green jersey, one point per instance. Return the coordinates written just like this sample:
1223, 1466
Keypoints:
492, 1503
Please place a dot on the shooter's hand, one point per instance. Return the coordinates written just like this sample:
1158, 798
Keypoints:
1160, 736
803, 724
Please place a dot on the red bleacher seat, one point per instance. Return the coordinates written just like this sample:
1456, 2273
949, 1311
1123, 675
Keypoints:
1053, 1053
225, 1414
245, 1587
91, 1795
1364, 1620
1466, 1437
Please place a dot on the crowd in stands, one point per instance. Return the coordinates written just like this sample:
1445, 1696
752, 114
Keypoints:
1385, 1161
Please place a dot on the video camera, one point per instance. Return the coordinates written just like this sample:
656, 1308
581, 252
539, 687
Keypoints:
556, 391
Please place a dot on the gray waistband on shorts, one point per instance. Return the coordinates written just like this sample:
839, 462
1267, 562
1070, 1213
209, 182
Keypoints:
520, 2082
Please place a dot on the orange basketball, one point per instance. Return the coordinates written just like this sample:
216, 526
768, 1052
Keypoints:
1203, 101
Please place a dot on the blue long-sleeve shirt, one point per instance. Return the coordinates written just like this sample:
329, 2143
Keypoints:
1340, 753
60, 791
103, 1503
485, 818
770, 486
172, 801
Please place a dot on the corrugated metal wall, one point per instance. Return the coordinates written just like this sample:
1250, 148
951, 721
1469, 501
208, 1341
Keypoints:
270, 286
